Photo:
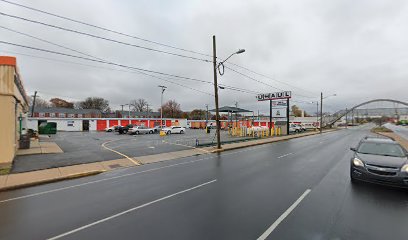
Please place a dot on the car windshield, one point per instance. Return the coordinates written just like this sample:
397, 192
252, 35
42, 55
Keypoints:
384, 149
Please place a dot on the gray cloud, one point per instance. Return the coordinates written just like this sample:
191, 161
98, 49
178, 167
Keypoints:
356, 49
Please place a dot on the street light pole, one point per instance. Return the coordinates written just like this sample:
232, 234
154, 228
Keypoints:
217, 113
206, 116
321, 109
163, 88
219, 67
321, 112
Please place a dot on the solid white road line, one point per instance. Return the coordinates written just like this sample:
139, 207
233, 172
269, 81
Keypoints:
131, 210
285, 155
101, 180
131, 174
283, 216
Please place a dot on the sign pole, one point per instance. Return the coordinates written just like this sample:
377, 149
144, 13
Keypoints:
270, 116
287, 116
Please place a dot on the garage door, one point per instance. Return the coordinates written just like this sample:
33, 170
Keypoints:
100, 125
113, 123
124, 122
168, 123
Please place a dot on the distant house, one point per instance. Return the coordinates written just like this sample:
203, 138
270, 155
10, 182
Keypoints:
53, 112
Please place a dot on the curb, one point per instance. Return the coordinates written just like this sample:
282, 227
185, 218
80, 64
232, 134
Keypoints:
57, 179
268, 142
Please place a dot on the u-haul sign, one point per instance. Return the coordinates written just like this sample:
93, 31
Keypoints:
273, 96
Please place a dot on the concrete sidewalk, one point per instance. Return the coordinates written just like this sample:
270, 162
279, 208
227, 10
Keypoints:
19, 180
39, 147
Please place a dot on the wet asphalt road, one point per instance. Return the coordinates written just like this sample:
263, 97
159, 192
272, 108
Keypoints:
233, 195
400, 130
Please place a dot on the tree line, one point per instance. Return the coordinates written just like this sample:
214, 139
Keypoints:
171, 109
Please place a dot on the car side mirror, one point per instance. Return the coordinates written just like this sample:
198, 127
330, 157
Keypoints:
353, 149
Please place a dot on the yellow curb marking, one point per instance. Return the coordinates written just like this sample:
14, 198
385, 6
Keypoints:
124, 155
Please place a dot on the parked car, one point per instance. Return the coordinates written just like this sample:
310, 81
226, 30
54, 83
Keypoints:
293, 128
302, 127
125, 129
157, 129
140, 130
174, 129
113, 128
381, 161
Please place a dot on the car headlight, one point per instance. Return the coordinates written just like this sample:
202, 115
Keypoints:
357, 162
404, 168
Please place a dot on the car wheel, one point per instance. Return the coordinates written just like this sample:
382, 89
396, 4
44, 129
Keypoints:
110, 130
181, 131
168, 132
137, 132
150, 132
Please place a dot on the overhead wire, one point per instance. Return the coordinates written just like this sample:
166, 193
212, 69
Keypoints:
146, 40
104, 38
105, 29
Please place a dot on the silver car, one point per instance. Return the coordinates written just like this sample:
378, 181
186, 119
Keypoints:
140, 130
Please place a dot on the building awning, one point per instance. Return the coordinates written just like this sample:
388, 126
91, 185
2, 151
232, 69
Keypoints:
227, 109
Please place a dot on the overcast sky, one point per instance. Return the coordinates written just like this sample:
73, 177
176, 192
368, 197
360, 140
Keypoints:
356, 49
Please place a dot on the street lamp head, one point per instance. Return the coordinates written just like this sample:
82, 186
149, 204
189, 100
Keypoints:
240, 51
221, 87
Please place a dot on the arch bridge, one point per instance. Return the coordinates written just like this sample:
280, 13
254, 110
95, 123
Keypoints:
338, 115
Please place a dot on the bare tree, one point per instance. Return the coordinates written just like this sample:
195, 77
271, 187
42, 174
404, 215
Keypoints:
139, 105
95, 103
171, 109
39, 102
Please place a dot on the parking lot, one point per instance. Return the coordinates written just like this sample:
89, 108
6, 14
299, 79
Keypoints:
87, 147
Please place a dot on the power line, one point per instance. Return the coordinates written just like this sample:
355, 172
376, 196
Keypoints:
124, 66
102, 61
105, 29
146, 40
271, 78
112, 69
104, 38
256, 80
49, 42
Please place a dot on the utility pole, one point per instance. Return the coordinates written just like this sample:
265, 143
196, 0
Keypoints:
321, 112
206, 116
32, 107
129, 111
217, 114
163, 88
270, 117
121, 113
317, 111
236, 116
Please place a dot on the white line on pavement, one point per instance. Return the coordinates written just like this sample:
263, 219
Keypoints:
101, 180
283, 216
285, 155
131, 210
131, 174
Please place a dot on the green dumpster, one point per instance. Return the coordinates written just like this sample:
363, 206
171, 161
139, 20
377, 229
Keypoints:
47, 128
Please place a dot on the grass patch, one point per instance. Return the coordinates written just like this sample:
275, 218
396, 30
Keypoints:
380, 129
5, 171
